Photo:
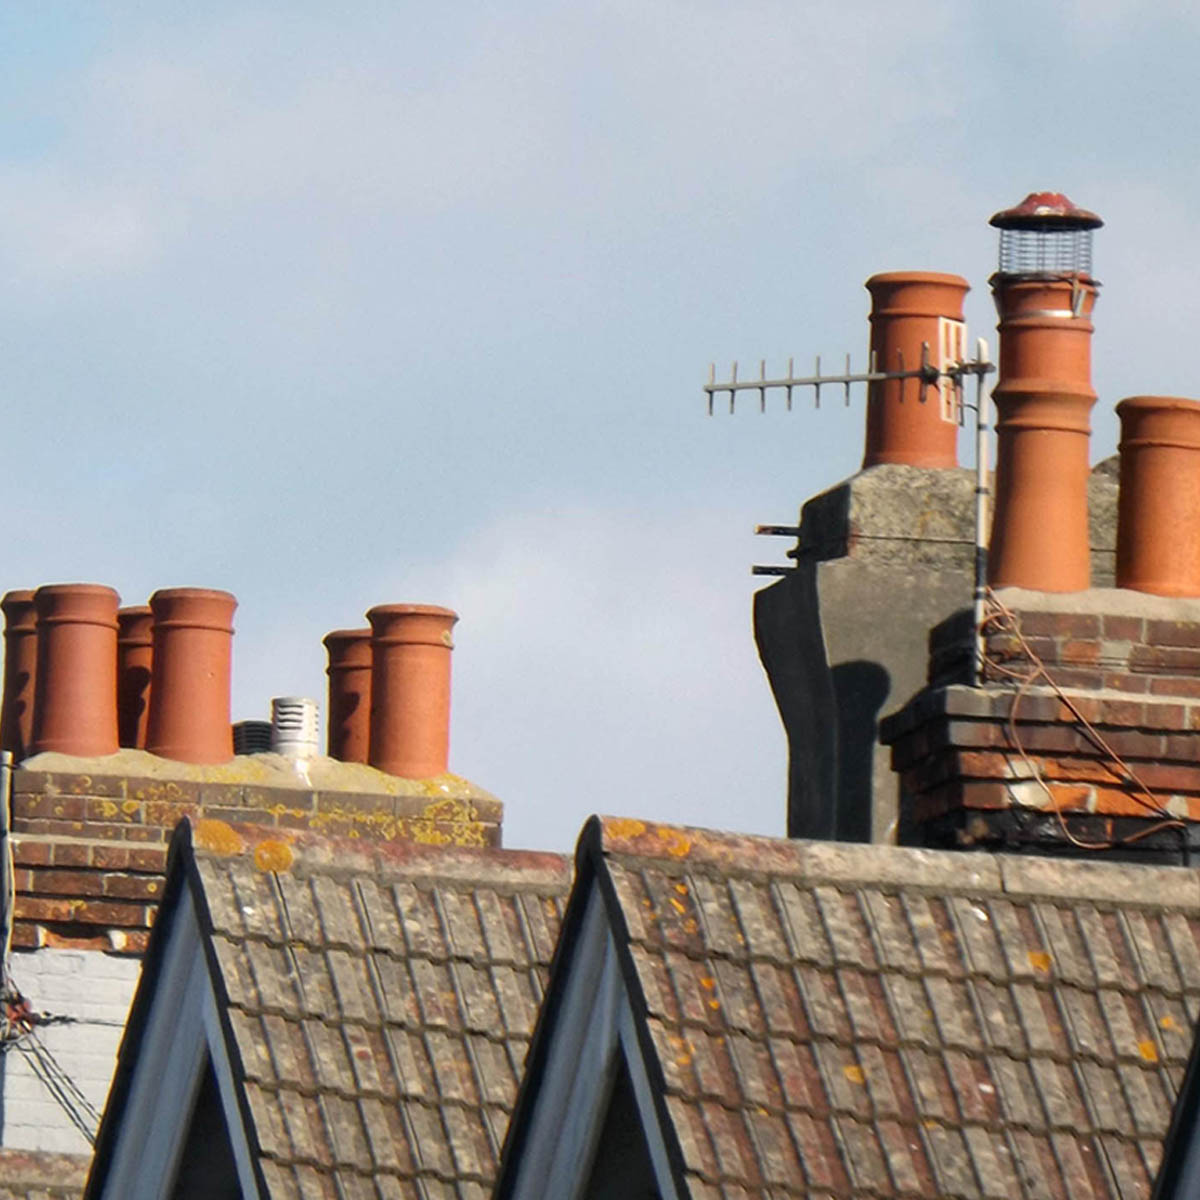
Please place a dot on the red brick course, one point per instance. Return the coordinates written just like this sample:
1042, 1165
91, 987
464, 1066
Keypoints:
91, 851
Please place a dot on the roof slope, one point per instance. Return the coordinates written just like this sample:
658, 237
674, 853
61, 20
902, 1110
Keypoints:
379, 1001
875, 1021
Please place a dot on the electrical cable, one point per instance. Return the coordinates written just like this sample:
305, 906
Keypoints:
1009, 622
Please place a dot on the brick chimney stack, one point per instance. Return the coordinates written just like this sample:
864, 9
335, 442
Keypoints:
1044, 293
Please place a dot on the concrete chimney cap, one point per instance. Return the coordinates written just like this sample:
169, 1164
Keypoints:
1046, 211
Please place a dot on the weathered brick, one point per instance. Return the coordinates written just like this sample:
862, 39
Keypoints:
122, 856
133, 887
111, 912
164, 791
1126, 628
72, 854
64, 808
44, 908
1173, 633
67, 883
1079, 650
1176, 685
1077, 677
166, 814
1125, 681
30, 853
117, 812
69, 784
1056, 625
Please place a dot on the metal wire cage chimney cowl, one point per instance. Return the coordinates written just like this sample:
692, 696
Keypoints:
1046, 235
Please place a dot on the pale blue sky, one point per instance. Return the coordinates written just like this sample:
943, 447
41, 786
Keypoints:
336, 306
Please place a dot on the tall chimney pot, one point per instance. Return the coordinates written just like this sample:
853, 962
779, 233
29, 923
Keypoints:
1158, 508
75, 703
908, 420
190, 687
135, 654
20, 672
1044, 294
349, 671
410, 688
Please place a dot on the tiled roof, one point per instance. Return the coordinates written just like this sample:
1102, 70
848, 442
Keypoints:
381, 1000
32, 1175
872, 1021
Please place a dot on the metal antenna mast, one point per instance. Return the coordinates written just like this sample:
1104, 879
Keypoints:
951, 375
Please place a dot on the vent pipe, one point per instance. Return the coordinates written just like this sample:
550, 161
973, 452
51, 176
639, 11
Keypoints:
294, 727
916, 316
1044, 294
20, 672
75, 703
189, 693
410, 688
135, 653
251, 737
349, 674
1158, 508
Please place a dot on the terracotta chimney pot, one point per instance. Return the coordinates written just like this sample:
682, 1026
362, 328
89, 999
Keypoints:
349, 672
135, 654
410, 688
75, 704
1158, 510
1044, 294
20, 672
906, 421
189, 693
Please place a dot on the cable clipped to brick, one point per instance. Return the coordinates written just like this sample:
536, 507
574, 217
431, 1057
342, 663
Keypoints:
1000, 618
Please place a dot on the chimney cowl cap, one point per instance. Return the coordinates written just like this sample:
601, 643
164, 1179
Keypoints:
1046, 211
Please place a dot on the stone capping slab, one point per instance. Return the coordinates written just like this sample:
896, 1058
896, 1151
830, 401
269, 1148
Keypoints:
1118, 602
483, 806
303, 853
846, 865
1038, 704
1144, 885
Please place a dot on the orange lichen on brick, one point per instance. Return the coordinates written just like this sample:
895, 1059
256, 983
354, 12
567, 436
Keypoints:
273, 855
1148, 1050
218, 836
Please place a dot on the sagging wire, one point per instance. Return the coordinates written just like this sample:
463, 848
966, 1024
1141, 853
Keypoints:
1000, 617
18, 1022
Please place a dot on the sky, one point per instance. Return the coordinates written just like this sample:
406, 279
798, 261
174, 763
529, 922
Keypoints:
338, 305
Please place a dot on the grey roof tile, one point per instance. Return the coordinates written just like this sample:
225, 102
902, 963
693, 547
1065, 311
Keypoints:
919, 1024
381, 1008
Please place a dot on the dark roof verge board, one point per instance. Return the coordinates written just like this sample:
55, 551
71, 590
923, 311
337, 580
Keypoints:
367, 1015
811, 1019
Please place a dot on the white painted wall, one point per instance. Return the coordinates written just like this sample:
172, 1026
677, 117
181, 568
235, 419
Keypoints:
95, 990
